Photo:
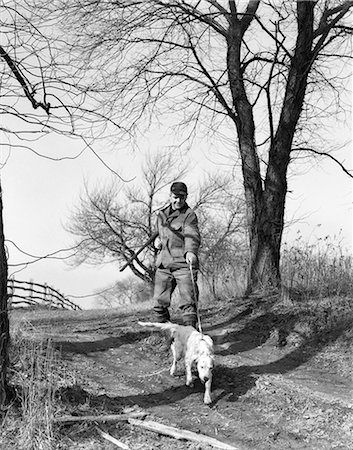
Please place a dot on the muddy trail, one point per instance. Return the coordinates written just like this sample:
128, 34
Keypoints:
270, 391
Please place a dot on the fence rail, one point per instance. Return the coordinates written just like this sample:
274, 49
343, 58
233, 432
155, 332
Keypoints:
28, 293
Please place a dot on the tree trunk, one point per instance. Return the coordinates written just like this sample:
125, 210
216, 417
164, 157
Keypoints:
266, 199
265, 243
4, 320
266, 229
267, 225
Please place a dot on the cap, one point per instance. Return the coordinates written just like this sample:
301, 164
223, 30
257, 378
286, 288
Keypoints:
179, 188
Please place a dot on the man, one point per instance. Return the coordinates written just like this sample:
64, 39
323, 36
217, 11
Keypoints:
179, 242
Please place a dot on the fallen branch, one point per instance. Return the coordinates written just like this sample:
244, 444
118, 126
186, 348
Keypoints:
106, 418
180, 434
112, 439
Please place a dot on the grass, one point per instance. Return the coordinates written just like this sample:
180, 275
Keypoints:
56, 316
36, 376
319, 269
36, 393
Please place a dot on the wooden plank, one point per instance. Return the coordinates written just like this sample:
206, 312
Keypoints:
23, 300
181, 434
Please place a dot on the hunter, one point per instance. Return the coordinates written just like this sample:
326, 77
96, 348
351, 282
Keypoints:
177, 260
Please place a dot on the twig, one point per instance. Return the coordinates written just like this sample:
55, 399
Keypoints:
180, 434
112, 439
326, 154
152, 374
106, 418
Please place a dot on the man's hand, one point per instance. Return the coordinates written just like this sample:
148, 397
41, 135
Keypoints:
191, 258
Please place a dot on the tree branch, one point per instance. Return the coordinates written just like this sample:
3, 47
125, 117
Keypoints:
29, 93
249, 15
214, 87
204, 18
219, 7
325, 27
316, 152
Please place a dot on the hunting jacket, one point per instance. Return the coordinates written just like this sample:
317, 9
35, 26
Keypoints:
179, 233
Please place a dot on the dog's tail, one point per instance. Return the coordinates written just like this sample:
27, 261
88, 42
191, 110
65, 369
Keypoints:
162, 326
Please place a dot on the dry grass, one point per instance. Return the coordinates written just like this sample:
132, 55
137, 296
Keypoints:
320, 269
36, 375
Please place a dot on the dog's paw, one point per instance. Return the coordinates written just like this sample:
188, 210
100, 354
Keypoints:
207, 399
176, 371
190, 383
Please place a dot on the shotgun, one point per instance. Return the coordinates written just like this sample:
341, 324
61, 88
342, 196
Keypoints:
150, 240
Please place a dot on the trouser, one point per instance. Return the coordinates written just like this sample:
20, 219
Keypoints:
166, 281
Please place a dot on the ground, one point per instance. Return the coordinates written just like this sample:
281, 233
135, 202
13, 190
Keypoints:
273, 388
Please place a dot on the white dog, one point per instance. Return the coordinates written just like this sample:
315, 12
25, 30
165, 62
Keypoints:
196, 348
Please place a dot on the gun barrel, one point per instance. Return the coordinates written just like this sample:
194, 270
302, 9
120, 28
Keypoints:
129, 261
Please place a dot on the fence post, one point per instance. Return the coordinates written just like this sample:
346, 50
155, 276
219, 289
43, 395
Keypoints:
52, 298
45, 293
62, 302
31, 290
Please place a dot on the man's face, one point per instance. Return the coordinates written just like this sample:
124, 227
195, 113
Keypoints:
177, 200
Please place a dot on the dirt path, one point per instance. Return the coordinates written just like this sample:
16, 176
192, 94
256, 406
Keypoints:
265, 397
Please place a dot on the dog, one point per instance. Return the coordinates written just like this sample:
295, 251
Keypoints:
194, 347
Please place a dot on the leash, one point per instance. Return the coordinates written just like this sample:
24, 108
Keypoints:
196, 299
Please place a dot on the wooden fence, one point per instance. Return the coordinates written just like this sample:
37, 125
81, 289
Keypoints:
28, 293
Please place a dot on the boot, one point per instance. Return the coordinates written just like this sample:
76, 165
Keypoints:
190, 321
161, 314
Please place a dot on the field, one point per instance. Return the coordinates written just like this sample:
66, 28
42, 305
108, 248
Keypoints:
283, 378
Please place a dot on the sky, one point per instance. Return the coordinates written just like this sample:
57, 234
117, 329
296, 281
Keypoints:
39, 196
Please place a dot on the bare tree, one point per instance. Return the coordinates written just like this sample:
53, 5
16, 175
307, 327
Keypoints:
263, 76
112, 222
4, 320
36, 99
